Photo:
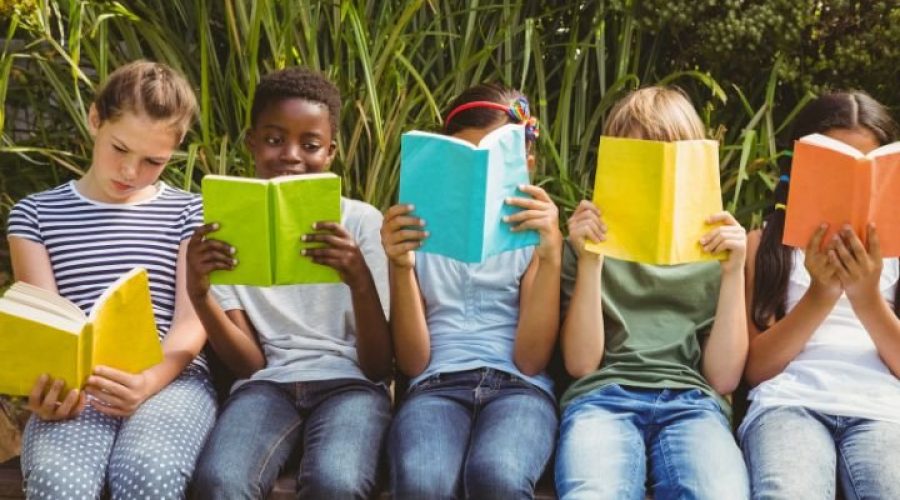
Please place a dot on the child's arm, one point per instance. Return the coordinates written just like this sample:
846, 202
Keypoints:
539, 290
120, 394
771, 350
859, 269
230, 333
582, 335
402, 233
725, 351
31, 264
373, 338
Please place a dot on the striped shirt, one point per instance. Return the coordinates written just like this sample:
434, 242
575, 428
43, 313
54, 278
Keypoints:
91, 244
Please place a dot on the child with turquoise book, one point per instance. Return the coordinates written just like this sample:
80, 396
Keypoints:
313, 358
654, 348
479, 418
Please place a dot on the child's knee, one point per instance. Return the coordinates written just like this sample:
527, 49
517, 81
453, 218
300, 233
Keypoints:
148, 473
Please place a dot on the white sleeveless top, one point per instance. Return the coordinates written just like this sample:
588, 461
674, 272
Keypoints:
839, 371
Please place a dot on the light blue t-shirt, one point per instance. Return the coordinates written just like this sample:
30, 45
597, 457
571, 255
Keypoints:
472, 312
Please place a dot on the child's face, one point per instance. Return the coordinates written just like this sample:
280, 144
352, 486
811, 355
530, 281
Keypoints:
130, 152
860, 138
291, 136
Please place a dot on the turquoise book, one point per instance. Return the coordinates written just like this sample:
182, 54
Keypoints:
459, 190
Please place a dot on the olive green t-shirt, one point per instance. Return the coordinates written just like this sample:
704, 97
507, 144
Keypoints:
655, 319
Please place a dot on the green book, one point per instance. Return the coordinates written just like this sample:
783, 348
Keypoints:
264, 219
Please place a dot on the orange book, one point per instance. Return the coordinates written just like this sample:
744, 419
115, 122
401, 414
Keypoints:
834, 183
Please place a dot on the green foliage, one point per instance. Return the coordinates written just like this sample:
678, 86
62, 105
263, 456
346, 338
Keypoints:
398, 63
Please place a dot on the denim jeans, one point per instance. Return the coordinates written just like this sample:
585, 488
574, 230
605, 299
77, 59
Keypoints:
796, 453
475, 434
340, 424
607, 436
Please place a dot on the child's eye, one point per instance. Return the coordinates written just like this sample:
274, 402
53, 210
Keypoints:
312, 147
119, 149
273, 140
156, 163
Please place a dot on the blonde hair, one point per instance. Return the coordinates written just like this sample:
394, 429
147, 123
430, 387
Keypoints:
655, 113
148, 88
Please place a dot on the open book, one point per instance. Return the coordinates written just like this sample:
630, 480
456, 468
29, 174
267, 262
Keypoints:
264, 219
832, 182
654, 198
459, 190
42, 332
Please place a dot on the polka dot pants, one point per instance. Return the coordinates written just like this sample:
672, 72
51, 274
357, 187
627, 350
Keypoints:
148, 455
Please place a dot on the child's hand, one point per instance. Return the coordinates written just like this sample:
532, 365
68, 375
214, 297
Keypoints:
401, 234
729, 236
205, 256
541, 214
340, 252
586, 223
117, 393
44, 402
858, 268
822, 272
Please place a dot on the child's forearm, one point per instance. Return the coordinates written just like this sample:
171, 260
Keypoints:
770, 351
725, 351
582, 335
882, 325
538, 315
373, 337
234, 343
412, 345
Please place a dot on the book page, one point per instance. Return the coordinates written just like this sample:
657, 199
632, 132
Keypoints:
883, 207
446, 183
823, 141
822, 189
696, 194
45, 300
241, 208
628, 191
296, 205
124, 327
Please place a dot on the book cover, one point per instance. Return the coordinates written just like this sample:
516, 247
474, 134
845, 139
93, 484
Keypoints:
654, 198
459, 189
832, 182
263, 219
41, 332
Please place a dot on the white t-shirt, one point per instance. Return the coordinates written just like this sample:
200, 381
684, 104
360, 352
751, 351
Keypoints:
308, 332
839, 371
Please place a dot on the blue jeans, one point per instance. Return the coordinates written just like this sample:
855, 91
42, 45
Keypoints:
475, 434
796, 453
340, 424
607, 436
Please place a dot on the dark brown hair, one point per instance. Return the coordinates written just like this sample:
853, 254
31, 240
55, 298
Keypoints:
148, 88
839, 110
297, 82
481, 117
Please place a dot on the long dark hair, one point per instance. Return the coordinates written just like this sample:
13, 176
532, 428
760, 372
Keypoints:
482, 117
839, 110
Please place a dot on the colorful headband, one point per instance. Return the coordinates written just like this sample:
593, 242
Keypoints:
518, 110
780, 206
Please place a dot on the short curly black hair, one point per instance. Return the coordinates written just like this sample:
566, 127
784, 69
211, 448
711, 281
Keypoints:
299, 82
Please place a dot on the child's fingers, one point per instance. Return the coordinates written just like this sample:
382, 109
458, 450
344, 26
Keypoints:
524, 215
51, 398
839, 270
536, 192
853, 243
401, 248
332, 227
527, 203
722, 217
407, 235
109, 410
37, 390
815, 242
405, 221
587, 206
873, 242
64, 409
99, 384
848, 260
398, 210
331, 240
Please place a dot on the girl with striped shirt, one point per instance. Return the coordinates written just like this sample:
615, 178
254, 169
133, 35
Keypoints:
136, 434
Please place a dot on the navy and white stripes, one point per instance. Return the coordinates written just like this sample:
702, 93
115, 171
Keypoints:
91, 244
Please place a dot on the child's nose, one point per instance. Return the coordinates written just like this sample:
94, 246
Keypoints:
291, 153
129, 169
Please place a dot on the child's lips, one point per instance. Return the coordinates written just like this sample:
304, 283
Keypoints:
121, 186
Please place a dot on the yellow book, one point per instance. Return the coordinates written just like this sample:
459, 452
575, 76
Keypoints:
654, 198
41, 332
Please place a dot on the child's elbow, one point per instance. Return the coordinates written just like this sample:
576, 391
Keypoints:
724, 384
580, 368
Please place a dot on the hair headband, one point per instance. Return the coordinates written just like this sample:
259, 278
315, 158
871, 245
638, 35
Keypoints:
517, 110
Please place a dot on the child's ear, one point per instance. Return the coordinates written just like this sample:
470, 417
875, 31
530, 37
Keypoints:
250, 140
332, 151
532, 161
93, 121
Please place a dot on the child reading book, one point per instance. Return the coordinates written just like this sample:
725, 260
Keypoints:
479, 419
313, 358
654, 348
824, 340
133, 432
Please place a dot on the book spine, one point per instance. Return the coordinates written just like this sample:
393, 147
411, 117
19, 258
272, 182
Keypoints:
272, 221
863, 201
665, 240
85, 361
